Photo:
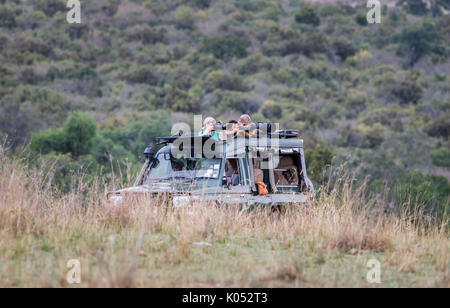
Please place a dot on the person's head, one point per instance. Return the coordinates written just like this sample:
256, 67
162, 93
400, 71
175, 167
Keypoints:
245, 120
233, 124
209, 123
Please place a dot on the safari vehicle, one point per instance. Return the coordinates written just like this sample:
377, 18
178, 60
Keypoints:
226, 173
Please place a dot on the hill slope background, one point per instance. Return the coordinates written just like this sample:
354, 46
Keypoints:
373, 97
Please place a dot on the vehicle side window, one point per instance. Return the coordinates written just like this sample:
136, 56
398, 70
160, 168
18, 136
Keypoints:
286, 171
232, 172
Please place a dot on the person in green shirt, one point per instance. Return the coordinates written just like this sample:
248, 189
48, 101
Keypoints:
208, 129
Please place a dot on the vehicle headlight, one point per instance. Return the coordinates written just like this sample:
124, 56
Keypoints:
182, 201
179, 201
116, 199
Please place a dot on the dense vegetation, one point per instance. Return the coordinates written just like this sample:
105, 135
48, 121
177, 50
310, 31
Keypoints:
375, 97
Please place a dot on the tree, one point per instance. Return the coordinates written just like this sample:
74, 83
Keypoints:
307, 15
80, 130
7, 19
418, 41
75, 137
344, 48
316, 161
226, 47
415, 7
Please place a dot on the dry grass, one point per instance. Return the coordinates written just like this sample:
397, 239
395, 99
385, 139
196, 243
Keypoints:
324, 244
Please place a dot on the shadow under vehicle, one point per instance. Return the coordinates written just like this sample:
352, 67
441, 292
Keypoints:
193, 169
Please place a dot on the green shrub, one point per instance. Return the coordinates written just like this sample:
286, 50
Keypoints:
419, 41
51, 7
223, 80
361, 19
344, 48
7, 18
240, 102
307, 15
52, 140
441, 157
254, 64
180, 100
439, 127
226, 47
75, 137
110, 7
427, 192
142, 74
80, 130
416, 7
271, 110
317, 160
185, 17
409, 90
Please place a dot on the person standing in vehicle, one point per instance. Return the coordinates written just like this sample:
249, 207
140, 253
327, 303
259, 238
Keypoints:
209, 131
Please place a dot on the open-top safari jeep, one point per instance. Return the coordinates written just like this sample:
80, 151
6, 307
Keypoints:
189, 169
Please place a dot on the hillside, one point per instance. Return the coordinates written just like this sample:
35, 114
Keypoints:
373, 97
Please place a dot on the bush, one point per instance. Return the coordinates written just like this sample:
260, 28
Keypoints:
143, 74
110, 7
51, 7
361, 19
234, 101
317, 160
75, 137
223, 80
418, 41
307, 15
439, 127
415, 7
344, 48
441, 157
185, 17
409, 90
271, 110
7, 18
180, 100
226, 47
52, 140
428, 192
80, 130
254, 64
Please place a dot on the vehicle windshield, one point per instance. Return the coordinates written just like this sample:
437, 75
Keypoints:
167, 167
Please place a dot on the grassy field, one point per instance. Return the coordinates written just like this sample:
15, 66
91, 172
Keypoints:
325, 244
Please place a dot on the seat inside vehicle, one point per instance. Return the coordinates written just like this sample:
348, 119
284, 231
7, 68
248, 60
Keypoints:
286, 173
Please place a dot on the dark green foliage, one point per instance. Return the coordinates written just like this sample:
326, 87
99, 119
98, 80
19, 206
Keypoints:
418, 41
361, 19
317, 160
110, 7
429, 192
416, 7
408, 90
223, 80
75, 137
439, 127
7, 18
142, 74
441, 157
271, 110
226, 47
80, 130
51, 7
52, 140
180, 100
28, 110
307, 15
344, 48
